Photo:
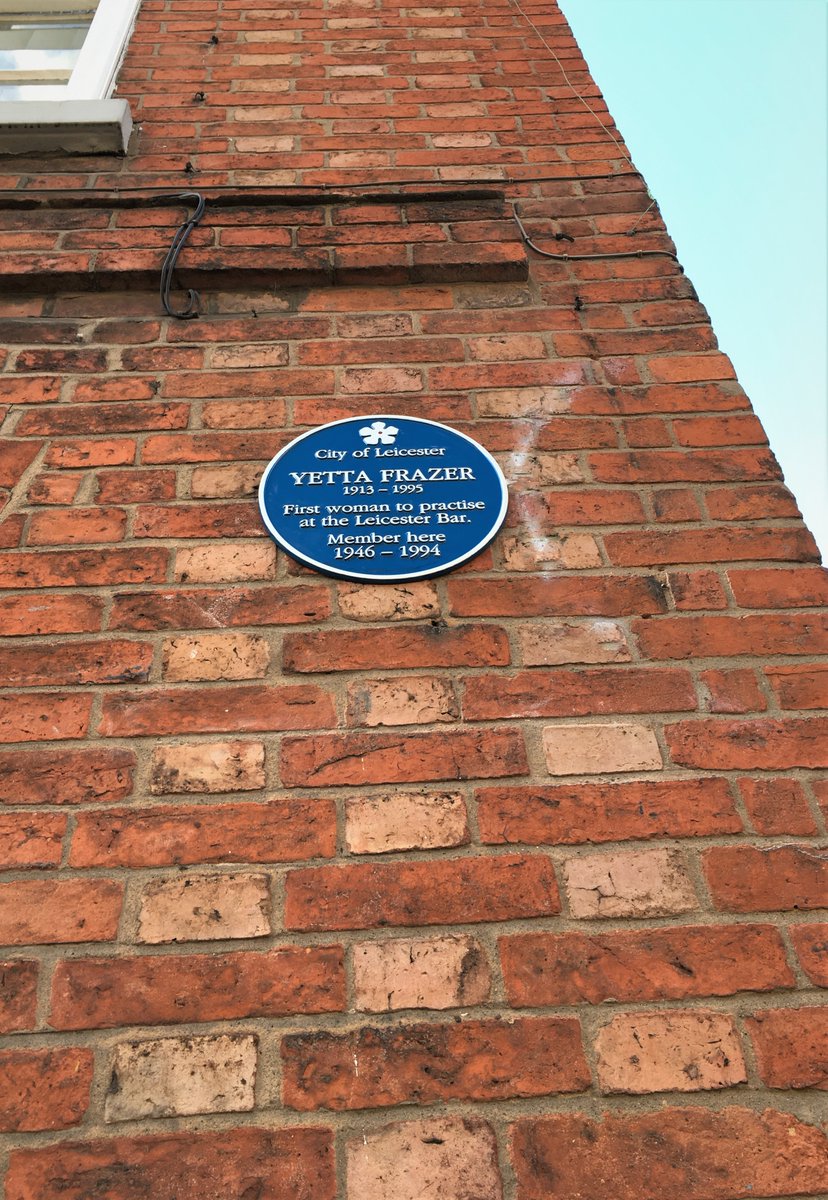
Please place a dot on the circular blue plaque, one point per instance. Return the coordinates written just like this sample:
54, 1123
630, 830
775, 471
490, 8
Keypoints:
383, 498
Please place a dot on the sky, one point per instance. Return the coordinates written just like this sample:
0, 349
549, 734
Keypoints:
723, 106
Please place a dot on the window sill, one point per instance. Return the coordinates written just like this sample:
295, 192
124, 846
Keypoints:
69, 126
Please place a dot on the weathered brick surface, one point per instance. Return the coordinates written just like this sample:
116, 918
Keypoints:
656, 964
791, 1047
557, 808
640, 883
669, 1052
405, 821
202, 908
208, 767
93, 993
436, 972
600, 749
423, 1063
425, 1160
44, 1089
447, 892
178, 1077
691, 1152
18, 994
171, 1166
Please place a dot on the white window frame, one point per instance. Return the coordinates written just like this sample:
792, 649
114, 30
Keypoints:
87, 121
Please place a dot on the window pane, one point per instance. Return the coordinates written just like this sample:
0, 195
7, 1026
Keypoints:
39, 49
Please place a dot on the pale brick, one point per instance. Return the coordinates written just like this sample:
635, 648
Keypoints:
201, 908
388, 602
208, 767
447, 972
630, 883
220, 483
178, 1077
537, 469
446, 1158
524, 402
669, 1052
216, 656
556, 642
414, 700
405, 821
226, 563
530, 552
600, 749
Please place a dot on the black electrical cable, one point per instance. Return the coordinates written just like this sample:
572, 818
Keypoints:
177, 245
587, 257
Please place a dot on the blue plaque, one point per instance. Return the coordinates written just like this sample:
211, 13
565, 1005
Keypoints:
382, 499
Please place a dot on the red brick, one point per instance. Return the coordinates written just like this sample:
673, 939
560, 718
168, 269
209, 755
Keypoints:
44, 1089
100, 993
539, 693
745, 503
43, 718
130, 487
694, 590
49, 911
18, 995
166, 835
568, 815
361, 758
102, 418
777, 806
294, 1162
197, 521
798, 687
54, 489
73, 525
719, 544
440, 892
243, 709
31, 840
656, 964
607, 596
71, 663
791, 1047
82, 568
24, 616
419, 646
776, 878
714, 637
421, 1064
100, 452
760, 744
217, 608
15, 458
780, 587
811, 944
551, 509
65, 776
731, 692
694, 1153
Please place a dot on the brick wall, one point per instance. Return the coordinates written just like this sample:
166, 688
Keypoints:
504, 886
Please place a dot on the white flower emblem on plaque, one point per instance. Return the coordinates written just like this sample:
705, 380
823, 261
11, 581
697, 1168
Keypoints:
379, 434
